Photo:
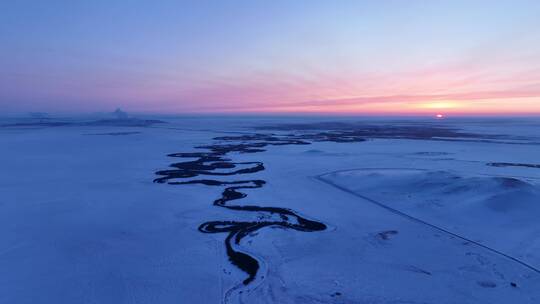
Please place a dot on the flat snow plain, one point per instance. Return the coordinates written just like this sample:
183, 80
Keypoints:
408, 220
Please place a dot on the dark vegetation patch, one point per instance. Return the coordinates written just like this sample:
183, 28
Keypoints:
425, 131
115, 133
536, 166
128, 122
417, 270
385, 235
427, 153
487, 284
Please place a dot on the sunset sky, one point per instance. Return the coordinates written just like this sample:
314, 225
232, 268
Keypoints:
354, 57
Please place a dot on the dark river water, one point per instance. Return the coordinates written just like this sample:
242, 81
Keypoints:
206, 167
213, 161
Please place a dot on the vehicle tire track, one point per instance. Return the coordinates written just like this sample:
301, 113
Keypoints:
418, 220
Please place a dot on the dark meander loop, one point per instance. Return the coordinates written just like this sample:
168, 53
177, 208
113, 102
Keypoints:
205, 165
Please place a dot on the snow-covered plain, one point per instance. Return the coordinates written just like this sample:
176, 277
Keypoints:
408, 220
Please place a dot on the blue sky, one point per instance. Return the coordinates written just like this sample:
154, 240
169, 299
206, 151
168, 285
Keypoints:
283, 56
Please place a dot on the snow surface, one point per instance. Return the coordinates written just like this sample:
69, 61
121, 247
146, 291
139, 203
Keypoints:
409, 221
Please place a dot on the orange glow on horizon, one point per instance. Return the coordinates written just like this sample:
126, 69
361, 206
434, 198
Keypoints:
440, 105
509, 106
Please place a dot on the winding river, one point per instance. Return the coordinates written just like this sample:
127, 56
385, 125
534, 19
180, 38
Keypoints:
212, 163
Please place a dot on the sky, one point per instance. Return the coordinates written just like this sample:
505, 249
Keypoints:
352, 57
